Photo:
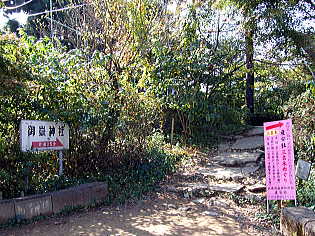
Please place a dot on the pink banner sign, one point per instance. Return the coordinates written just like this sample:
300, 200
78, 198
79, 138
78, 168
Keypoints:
279, 160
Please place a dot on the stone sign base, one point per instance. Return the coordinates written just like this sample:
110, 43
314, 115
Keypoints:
297, 221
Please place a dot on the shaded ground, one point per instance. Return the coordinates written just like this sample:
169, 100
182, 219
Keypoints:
162, 214
171, 210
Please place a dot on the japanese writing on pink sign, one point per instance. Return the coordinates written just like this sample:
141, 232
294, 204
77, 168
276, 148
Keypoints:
279, 160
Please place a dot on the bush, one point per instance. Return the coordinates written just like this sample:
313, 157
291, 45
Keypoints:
306, 191
302, 112
109, 119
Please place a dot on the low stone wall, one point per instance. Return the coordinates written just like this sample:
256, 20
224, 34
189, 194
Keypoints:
297, 221
49, 203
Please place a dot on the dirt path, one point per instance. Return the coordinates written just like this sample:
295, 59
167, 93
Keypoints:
164, 212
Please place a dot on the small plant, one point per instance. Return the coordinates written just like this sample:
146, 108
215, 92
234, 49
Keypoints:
302, 111
273, 218
243, 200
68, 210
306, 191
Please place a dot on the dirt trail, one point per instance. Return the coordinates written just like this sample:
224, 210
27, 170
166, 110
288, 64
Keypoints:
164, 212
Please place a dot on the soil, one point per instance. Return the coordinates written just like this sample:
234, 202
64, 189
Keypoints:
166, 211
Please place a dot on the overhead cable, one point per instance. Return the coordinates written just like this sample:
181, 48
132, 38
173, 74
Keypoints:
16, 7
277, 63
68, 27
61, 9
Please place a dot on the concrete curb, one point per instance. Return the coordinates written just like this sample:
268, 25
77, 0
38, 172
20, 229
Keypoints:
7, 210
50, 203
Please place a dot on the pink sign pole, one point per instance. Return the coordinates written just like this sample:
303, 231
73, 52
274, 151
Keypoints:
279, 160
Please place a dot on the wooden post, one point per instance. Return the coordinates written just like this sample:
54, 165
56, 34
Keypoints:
280, 204
26, 182
51, 21
172, 131
60, 163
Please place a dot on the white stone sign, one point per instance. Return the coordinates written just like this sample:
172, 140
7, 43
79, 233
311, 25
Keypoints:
38, 135
303, 169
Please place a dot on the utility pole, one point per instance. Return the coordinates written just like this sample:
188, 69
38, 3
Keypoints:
51, 21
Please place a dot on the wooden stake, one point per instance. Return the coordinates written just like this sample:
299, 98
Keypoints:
172, 131
60, 163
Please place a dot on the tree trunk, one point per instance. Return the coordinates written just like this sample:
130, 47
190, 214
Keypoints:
250, 79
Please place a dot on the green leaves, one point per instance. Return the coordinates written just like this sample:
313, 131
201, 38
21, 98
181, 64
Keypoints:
301, 110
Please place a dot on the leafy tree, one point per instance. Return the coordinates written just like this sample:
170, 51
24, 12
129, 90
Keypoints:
194, 74
266, 20
64, 25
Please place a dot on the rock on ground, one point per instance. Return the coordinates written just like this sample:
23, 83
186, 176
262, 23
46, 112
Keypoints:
228, 187
237, 158
256, 130
248, 143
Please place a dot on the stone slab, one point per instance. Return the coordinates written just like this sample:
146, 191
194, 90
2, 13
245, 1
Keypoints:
257, 188
172, 188
7, 210
197, 186
219, 203
36, 205
294, 220
256, 130
248, 143
210, 213
227, 173
223, 147
309, 229
221, 172
82, 195
249, 170
237, 158
228, 188
199, 201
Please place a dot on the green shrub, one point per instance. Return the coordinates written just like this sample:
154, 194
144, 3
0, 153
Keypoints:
302, 112
109, 119
306, 191
141, 176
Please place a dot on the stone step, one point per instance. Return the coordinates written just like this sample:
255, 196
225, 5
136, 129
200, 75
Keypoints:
200, 189
234, 159
255, 131
228, 187
228, 173
248, 143
257, 188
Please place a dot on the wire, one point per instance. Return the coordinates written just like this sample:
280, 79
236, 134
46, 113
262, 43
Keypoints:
16, 7
61, 9
70, 28
278, 64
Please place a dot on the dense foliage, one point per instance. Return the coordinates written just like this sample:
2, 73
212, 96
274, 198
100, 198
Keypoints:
64, 86
134, 67
302, 112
